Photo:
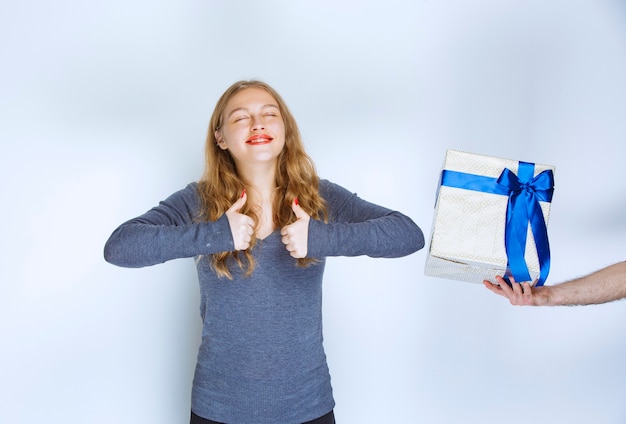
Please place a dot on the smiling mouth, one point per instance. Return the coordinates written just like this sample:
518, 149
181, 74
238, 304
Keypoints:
259, 139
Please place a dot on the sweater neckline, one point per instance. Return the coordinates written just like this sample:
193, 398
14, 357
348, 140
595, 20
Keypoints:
269, 236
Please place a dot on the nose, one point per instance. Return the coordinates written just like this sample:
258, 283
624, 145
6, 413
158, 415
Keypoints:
257, 123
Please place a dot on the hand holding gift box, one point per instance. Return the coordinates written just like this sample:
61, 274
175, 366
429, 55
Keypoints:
491, 219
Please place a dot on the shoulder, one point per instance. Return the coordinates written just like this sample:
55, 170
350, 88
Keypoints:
330, 190
187, 198
337, 198
192, 188
189, 192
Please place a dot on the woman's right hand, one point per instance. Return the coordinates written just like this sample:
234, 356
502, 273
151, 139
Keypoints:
241, 226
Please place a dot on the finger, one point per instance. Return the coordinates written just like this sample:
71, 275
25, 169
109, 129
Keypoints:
517, 287
249, 223
493, 287
504, 286
236, 207
294, 252
245, 225
297, 209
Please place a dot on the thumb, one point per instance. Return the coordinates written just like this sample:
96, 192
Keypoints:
236, 207
297, 210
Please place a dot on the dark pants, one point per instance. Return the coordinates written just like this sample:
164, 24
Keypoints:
326, 419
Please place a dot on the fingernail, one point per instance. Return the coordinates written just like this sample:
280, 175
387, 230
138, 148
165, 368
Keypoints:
243, 192
296, 200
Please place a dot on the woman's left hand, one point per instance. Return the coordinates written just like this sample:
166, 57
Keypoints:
295, 236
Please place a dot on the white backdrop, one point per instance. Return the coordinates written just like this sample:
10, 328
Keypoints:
104, 108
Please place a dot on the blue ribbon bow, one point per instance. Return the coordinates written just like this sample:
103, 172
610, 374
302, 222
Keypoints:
523, 208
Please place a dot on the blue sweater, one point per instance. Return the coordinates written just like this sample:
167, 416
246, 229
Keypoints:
261, 359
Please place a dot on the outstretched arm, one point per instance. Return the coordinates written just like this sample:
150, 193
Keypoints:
358, 227
169, 231
605, 285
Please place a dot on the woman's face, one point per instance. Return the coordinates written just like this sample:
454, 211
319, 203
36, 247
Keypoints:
252, 128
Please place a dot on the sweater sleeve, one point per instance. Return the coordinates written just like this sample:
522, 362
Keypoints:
357, 227
168, 231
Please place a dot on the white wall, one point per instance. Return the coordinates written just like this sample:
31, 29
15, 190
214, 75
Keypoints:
104, 107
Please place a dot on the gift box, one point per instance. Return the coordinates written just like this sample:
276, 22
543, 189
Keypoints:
490, 219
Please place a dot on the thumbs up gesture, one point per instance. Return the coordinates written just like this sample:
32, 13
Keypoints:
295, 236
241, 226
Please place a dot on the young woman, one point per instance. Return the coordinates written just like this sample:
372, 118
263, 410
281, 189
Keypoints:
259, 224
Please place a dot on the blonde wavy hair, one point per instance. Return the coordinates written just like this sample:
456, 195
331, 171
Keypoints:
220, 185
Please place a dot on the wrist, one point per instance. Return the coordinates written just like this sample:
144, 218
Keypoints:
544, 296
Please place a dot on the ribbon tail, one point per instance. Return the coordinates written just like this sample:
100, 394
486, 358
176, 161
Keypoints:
515, 236
540, 233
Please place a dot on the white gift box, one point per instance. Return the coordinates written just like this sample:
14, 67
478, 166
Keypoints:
468, 232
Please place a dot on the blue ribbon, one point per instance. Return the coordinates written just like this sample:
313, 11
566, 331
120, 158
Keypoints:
524, 192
